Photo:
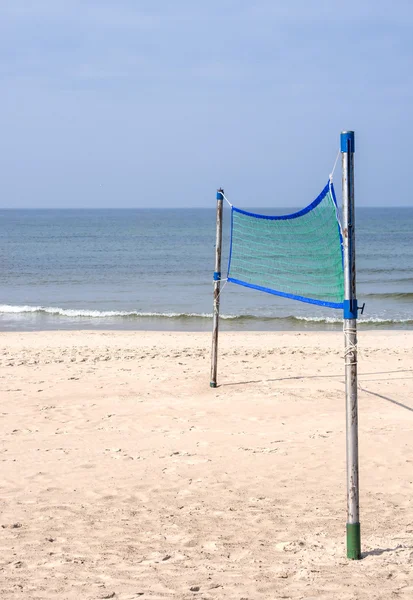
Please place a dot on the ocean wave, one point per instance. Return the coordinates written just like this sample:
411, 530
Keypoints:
387, 280
360, 321
8, 309
96, 314
390, 295
383, 270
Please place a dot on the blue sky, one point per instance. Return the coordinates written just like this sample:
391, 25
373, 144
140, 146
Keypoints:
134, 103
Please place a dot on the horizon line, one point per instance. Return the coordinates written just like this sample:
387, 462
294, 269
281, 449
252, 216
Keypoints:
170, 207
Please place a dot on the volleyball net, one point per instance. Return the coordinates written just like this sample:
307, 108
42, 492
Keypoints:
297, 256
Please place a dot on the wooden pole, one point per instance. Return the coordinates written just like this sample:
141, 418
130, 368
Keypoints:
350, 341
217, 289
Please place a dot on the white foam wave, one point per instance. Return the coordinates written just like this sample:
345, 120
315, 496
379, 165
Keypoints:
104, 314
361, 320
99, 314
319, 319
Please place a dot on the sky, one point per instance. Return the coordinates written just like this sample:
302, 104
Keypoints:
129, 103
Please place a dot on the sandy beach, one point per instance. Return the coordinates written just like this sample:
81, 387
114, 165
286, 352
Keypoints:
125, 476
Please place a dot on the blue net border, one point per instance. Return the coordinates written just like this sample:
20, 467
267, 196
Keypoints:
285, 295
300, 213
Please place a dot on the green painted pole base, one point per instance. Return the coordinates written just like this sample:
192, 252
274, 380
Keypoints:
212, 384
353, 541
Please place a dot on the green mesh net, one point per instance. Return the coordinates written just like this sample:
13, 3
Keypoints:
297, 256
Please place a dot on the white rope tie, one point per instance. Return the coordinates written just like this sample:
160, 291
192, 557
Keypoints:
331, 193
334, 168
216, 281
350, 350
219, 295
226, 199
335, 207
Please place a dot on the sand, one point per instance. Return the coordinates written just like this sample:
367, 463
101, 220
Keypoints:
123, 475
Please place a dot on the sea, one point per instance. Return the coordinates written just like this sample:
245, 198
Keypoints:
147, 269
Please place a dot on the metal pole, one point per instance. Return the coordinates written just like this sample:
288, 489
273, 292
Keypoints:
217, 289
350, 341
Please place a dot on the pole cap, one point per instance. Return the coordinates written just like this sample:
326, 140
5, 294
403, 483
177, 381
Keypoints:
347, 141
220, 194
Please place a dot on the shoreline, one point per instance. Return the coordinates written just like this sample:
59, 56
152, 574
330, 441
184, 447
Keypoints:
269, 326
142, 333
